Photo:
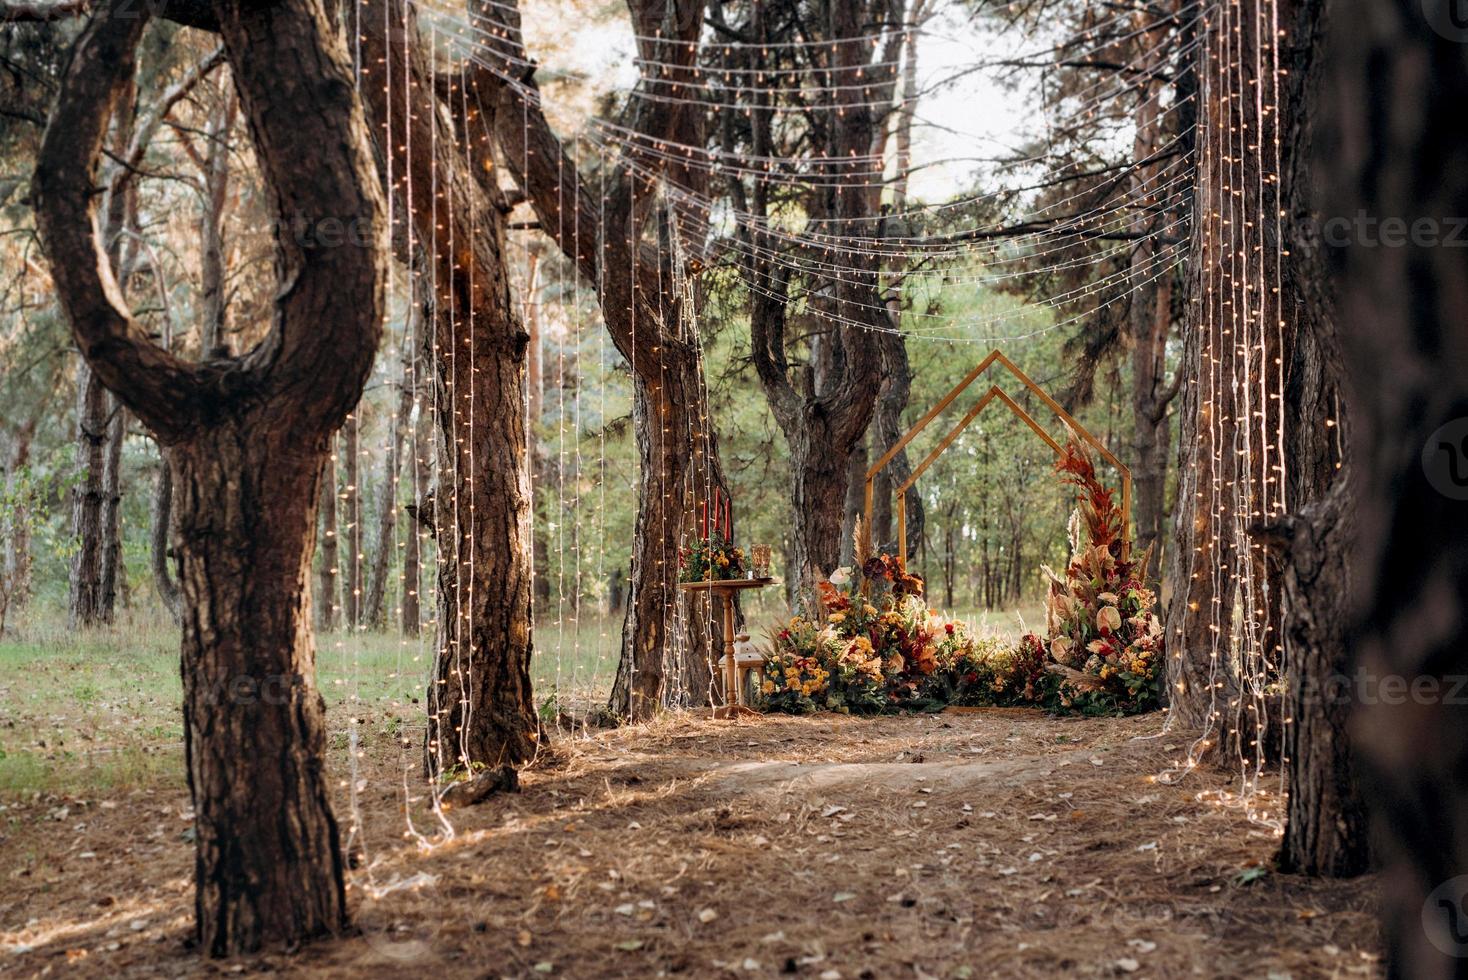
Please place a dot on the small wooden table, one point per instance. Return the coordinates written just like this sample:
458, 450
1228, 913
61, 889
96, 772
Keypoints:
725, 591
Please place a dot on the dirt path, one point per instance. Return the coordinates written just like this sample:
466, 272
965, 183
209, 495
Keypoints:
959, 845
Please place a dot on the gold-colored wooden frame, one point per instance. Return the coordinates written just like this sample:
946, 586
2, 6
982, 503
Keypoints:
994, 392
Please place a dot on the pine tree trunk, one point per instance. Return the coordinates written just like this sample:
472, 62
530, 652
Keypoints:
1326, 832
15, 562
215, 299
659, 667
113, 572
162, 540
387, 501
646, 320
855, 503
254, 724
1223, 489
818, 464
481, 710
84, 606
888, 428
247, 445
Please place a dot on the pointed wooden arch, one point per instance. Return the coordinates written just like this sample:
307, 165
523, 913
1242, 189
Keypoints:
994, 393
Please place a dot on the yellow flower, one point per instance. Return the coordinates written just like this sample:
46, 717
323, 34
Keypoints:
837, 617
768, 687
869, 609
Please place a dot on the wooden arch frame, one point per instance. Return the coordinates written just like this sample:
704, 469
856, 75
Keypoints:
994, 392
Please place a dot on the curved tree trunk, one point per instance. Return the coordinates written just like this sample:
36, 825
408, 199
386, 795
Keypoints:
247, 440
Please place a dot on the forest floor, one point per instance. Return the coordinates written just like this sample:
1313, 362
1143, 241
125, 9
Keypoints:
973, 844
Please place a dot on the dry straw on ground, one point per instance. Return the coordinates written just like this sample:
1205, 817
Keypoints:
974, 844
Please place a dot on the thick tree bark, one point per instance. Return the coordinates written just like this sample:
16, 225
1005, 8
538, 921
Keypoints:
481, 710
247, 439
1392, 150
255, 727
1326, 831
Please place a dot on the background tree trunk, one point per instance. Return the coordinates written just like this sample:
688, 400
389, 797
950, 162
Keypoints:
328, 593
387, 502
350, 505
605, 239
1392, 147
15, 562
422, 449
84, 604
481, 710
113, 573
161, 541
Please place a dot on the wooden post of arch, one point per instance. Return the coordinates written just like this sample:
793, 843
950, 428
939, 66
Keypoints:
994, 392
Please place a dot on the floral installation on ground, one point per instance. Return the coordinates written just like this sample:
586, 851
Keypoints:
871, 644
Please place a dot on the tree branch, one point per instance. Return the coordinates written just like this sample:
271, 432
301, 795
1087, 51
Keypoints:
157, 386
